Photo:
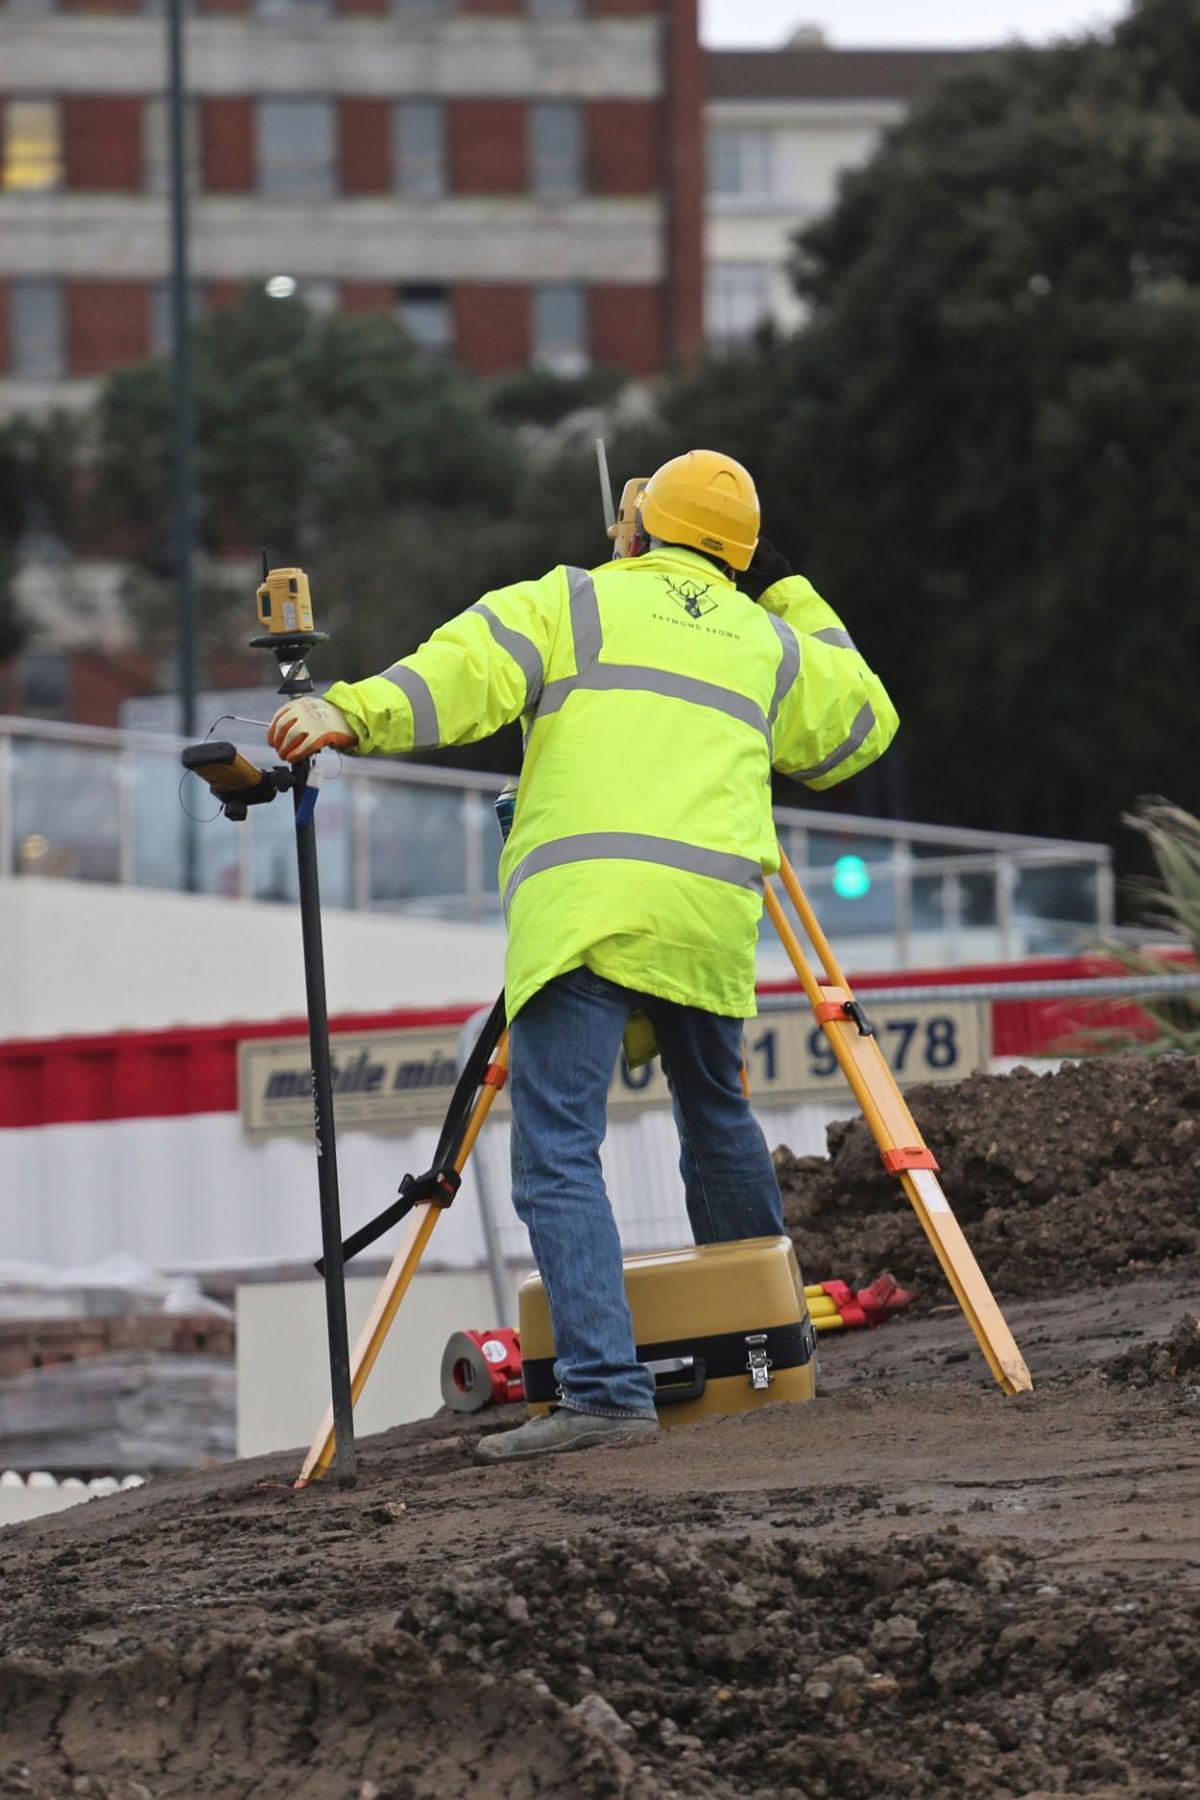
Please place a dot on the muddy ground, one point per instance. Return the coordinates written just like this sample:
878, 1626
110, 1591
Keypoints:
914, 1586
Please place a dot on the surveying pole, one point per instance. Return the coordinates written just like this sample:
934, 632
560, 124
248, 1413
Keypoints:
285, 609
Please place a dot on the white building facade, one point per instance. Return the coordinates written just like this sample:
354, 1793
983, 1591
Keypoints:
782, 127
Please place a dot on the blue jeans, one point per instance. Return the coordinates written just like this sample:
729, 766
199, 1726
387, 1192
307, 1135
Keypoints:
565, 1043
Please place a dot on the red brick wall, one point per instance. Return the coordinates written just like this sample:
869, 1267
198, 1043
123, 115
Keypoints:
492, 327
5, 346
223, 6
685, 180
365, 146
607, 8
367, 297
487, 147
362, 6
222, 293
492, 6
108, 324
102, 142
227, 145
623, 141
99, 6
628, 328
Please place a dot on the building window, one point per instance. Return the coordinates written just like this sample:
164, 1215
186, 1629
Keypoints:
556, 9
738, 300
32, 147
556, 147
156, 146
420, 9
560, 327
739, 163
419, 147
45, 682
38, 330
290, 9
296, 147
424, 312
162, 329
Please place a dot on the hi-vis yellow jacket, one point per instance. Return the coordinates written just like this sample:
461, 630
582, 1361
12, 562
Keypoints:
656, 698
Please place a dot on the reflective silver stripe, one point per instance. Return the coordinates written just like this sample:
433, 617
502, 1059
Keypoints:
426, 735
523, 651
631, 678
585, 619
860, 731
789, 665
633, 846
831, 635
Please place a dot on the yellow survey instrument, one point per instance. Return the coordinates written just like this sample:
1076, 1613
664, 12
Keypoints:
903, 1149
284, 602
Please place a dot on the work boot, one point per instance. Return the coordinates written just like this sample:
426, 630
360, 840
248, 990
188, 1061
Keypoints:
562, 1430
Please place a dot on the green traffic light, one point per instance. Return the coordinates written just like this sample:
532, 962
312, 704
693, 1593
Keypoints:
851, 878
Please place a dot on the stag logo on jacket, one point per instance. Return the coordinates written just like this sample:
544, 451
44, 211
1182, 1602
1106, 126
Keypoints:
693, 596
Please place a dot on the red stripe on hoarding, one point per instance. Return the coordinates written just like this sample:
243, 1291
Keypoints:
174, 1073
154, 1074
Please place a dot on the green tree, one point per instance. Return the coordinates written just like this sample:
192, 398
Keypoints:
315, 435
38, 479
985, 443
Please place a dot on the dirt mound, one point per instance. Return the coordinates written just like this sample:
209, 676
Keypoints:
332, 1714
1176, 1359
636, 1669
745, 1666
1060, 1180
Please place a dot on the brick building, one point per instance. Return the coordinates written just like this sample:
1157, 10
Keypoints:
520, 181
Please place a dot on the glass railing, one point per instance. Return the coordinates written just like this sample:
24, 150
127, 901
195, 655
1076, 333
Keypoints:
85, 804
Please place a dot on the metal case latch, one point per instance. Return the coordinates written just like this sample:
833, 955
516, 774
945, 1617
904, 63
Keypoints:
759, 1363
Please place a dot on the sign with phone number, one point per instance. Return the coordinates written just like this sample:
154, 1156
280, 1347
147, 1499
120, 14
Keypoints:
396, 1080
789, 1058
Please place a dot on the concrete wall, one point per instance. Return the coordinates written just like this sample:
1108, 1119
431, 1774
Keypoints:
564, 59
83, 957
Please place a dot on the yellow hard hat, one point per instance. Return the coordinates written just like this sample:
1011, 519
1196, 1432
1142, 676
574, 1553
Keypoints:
707, 501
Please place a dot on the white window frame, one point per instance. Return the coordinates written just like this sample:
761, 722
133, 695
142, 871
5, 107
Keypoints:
741, 165
737, 300
27, 295
314, 178
14, 106
562, 352
556, 173
422, 173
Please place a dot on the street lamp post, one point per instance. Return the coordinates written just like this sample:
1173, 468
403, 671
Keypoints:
183, 505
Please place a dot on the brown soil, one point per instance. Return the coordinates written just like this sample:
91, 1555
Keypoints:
1060, 1180
914, 1586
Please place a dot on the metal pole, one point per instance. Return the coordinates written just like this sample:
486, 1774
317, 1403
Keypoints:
183, 525
323, 1125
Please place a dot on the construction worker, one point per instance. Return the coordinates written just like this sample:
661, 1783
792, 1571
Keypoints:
656, 698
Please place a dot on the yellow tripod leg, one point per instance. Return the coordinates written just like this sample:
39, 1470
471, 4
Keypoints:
398, 1279
894, 1129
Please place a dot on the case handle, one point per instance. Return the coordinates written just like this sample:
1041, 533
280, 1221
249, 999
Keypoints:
668, 1391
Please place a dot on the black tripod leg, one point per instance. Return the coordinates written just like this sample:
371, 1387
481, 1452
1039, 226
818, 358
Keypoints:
327, 1176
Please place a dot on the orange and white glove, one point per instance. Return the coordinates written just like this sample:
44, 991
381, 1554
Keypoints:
307, 725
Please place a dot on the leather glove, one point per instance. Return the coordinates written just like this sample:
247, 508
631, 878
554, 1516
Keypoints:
768, 565
307, 725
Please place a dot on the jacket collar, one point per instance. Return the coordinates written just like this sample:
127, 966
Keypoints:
688, 562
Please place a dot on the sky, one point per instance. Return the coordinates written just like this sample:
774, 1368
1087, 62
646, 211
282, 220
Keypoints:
884, 24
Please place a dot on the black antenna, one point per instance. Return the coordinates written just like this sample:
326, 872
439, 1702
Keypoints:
266, 563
